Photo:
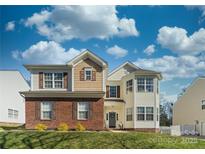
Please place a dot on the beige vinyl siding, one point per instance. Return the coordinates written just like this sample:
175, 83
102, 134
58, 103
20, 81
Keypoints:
88, 85
188, 108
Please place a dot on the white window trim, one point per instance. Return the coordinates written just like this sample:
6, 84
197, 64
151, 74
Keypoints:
145, 113
91, 73
41, 110
12, 116
145, 84
53, 80
129, 114
78, 116
110, 90
129, 86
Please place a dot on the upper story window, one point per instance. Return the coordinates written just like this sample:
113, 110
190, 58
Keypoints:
145, 84
203, 104
113, 91
88, 73
53, 80
83, 110
46, 110
129, 85
13, 114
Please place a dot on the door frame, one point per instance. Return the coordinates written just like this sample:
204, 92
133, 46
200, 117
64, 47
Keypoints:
110, 118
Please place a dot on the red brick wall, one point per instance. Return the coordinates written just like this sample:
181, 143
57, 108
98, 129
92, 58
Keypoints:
63, 113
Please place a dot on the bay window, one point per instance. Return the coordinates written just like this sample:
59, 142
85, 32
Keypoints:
140, 113
145, 84
145, 113
149, 114
129, 85
129, 114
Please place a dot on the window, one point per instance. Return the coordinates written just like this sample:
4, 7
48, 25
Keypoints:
113, 91
140, 113
83, 109
203, 104
88, 73
58, 80
145, 84
129, 114
141, 84
149, 84
145, 113
129, 86
13, 114
46, 110
149, 114
48, 80
53, 80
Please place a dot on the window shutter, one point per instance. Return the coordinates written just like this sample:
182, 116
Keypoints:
118, 91
90, 110
37, 110
53, 111
82, 75
107, 91
40, 80
94, 75
74, 110
65, 76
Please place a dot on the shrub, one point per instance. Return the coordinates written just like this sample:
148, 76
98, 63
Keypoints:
41, 127
1, 129
63, 127
80, 127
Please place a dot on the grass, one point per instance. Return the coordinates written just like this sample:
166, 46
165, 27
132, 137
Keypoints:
93, 140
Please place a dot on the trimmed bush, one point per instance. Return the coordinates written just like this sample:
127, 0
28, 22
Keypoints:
41, 127
1, 129
80, 127
63, 127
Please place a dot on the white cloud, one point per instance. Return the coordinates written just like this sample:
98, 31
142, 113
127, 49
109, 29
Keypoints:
177, 40
164, 98
150, 49
186, 66
117, 51
45, 52
62, 23
10, 26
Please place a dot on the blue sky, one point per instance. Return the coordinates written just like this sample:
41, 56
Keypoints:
169, 39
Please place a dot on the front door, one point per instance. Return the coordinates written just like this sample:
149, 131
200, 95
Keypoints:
112, 120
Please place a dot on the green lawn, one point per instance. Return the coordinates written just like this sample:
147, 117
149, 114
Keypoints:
94, 140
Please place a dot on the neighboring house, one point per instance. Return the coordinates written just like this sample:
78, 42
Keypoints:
189, 109
132, 98
75, 92
12, 104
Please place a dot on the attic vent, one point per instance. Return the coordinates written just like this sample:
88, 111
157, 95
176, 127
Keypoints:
126, 72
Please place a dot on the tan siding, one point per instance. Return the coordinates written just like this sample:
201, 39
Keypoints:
188, 107
88, 85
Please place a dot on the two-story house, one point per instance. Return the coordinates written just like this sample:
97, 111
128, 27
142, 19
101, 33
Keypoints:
81, 91
69, 93
132, 98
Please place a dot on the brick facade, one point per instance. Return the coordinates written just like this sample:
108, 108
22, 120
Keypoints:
64, 113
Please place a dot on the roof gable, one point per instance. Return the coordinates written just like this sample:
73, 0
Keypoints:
122, 70
85, 55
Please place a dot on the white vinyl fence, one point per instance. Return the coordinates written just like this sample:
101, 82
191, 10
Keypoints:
179, 130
